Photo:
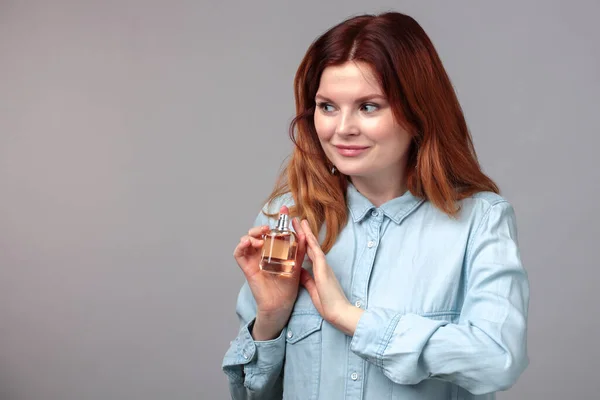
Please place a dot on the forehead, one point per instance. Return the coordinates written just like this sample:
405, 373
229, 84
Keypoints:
349, 77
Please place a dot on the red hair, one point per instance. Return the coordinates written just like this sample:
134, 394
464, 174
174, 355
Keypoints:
442, 166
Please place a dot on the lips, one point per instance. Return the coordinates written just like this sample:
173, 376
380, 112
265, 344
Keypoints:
351, 151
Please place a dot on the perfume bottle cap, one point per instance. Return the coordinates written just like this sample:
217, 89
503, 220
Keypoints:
284, 222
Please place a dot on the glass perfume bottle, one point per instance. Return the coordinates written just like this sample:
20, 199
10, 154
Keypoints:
279, 248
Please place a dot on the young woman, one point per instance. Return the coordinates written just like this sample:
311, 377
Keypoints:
413, 286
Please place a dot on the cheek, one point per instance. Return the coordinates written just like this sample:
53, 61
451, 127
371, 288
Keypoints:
375, 128
387, 131
393, 141
400, 144
324, 127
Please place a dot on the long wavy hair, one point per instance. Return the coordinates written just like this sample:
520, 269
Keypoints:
442, 165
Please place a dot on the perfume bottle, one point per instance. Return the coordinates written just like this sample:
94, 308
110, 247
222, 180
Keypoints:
279, 248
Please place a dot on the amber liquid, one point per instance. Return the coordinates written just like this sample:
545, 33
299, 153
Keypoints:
279, 253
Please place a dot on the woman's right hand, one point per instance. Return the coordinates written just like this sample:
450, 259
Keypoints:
275, 295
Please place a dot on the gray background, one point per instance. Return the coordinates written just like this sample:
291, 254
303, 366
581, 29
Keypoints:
138, 140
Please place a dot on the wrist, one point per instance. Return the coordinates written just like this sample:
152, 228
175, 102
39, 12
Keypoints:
268, 327
349, 320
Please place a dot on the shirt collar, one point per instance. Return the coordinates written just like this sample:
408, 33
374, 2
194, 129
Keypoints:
395, 209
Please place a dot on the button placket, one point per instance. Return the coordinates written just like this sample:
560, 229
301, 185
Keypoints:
355, 364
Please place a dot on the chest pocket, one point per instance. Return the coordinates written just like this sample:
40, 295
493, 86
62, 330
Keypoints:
302, 367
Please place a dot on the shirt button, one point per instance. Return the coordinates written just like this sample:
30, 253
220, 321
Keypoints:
370, 244
354, 376
290, 334
375, 213
244, 354
358, 303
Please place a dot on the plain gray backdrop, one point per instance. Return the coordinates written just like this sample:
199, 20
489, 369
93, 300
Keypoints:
138, 140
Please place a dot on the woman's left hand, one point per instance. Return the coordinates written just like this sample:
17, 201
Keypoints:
325, 290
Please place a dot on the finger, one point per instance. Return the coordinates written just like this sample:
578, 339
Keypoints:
311, 241
299, 261
240, 254
311, 254
240, 249
298, 227
301, 240
299, 233
307, 231
256, 243
258, 231
246, 243
308, 282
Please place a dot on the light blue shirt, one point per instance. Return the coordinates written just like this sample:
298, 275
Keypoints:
445, 303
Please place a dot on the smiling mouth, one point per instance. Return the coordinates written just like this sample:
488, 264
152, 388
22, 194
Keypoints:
351, 147
351, 151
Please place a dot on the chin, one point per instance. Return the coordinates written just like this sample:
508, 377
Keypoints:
352, 171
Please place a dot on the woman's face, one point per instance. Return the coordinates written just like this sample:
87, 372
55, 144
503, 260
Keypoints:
355, 124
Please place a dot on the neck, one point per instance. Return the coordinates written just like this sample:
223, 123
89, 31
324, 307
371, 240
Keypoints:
381, 188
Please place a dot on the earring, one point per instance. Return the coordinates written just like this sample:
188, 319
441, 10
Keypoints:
333, 170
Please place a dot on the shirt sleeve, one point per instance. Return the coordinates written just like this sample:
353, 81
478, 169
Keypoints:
486, 350
253, 368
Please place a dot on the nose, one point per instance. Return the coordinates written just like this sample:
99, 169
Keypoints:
347, 124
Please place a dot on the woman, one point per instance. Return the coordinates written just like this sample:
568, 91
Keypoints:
413, 287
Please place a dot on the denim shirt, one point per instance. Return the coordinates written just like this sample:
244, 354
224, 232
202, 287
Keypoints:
445, 305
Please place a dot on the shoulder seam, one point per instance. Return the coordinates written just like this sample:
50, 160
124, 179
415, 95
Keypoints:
486, 215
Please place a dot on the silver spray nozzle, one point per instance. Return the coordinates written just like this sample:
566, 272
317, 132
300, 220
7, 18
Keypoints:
284, 222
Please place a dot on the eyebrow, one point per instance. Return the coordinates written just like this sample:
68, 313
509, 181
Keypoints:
359, 100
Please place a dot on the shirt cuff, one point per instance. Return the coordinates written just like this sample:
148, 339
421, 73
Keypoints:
250, 358
373, 333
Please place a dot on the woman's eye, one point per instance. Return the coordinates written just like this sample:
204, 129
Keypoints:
369, 108
325, 107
